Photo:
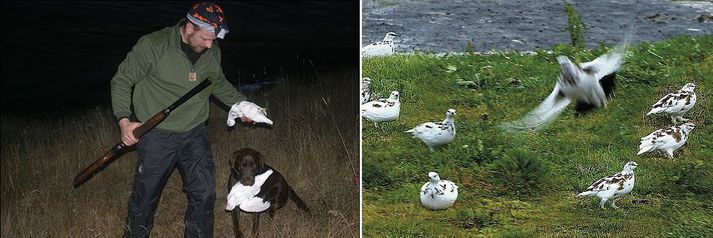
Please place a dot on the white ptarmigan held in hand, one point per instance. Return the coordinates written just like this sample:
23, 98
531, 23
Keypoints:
435, 134
382, 110
676, 104
250, 110
365, 89
666, 140
245, 197
438, 194
590, 84
612, 187
380, 48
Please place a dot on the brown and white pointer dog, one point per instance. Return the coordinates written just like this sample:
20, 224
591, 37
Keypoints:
255, 187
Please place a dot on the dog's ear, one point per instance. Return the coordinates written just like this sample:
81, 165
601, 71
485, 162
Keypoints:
234, 175
258, 161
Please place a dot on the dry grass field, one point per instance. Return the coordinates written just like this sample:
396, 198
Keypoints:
314, 144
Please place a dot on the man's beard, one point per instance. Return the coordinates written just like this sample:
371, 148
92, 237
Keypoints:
198, 50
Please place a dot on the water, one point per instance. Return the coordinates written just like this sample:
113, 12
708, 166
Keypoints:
62, 55
520, 25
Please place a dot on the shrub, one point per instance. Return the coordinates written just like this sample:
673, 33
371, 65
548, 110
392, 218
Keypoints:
469, 49
515, 233
375, 175
478, 219
575, 26
696, 177
519, 173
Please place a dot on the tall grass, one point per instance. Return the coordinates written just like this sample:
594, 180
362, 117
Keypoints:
575, 26
524, 184
313, 144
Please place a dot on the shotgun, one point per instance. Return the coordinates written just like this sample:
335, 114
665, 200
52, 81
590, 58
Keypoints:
110, 155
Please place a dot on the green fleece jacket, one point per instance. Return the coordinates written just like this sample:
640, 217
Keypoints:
158, 70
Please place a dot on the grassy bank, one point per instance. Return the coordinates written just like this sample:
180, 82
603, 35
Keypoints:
524, 185
312, 144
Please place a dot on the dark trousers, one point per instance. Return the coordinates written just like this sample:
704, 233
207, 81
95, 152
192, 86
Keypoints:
159, 152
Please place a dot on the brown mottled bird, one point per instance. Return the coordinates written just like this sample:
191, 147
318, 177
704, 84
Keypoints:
676, 104
666, 140
612, 187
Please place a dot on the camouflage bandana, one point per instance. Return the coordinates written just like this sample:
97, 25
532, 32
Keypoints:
208, 16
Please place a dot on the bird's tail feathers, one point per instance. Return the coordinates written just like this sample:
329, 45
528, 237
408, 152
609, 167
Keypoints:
643, 148
655, 110
585, 193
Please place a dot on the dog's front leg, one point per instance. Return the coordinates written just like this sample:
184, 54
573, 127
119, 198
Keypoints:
256, 224
236, 222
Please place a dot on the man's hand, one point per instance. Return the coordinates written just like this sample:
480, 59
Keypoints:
127, 131
249, 113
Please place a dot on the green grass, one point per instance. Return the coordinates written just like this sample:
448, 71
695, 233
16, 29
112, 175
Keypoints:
524, 185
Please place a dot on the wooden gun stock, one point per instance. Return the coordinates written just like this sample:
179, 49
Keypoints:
113, 153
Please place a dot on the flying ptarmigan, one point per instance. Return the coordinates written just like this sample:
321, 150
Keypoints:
590, 84
250, 110
436, 133
365, 89
382, 110
676, 104
438, 194
613, 187
666, 140
380, 48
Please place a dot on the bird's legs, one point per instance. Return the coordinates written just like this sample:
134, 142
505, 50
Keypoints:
669, 153
613, 203
676, 118
601, 203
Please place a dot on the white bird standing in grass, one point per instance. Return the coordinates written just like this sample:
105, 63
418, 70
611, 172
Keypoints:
250, 110
590, 84
613, 187
382, 110
666, 140
380, 48
365, 89
676, 104
436, 133
438, 194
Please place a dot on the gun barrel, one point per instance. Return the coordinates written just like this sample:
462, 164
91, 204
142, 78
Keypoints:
115, 151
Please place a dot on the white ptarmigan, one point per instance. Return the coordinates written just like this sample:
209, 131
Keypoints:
590, 84
612, 187
666, 140
250, 110
365, 89
380, 48
438, 194
382, 110
245, 197
676, 104
435, 134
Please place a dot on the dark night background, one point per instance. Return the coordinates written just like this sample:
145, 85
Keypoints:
59, 56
